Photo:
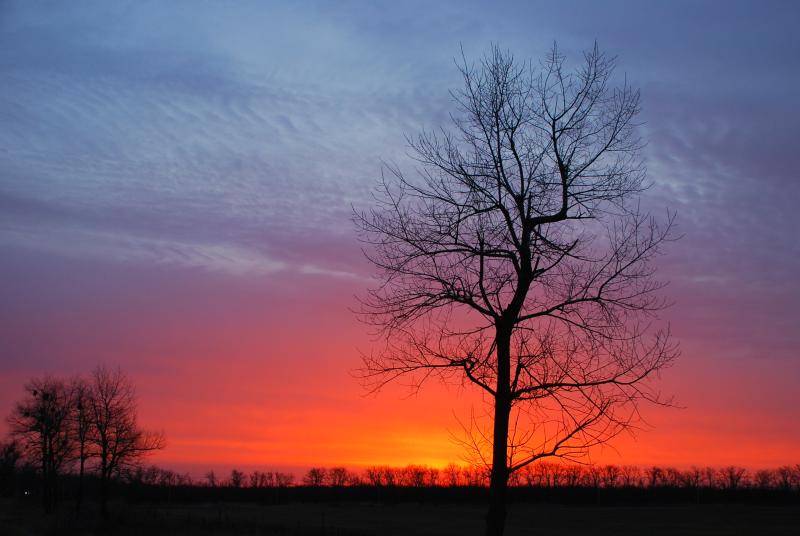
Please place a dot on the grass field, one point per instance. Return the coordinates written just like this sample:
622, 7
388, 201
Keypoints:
405, 519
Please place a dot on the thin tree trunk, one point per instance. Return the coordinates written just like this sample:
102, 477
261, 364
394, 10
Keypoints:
79, 502
104, 487
104, 497
47, 502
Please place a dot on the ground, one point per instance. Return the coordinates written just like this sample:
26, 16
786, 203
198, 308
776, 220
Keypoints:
403, 519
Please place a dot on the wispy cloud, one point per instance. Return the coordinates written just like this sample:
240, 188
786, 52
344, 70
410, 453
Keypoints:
158, 143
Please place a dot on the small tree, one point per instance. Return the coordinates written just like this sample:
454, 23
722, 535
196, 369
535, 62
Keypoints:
433, 476
450, 475
518, 261
267, 479
765, 479
611, 475
237, 478
655, 476
40, 424
732, 477
374, 476
631, 476
315, 477
414, 475
116, 439
692, 477
338, 476
283, 480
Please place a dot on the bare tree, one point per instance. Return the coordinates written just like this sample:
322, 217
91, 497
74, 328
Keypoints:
237, 478
765, 479
611, 475
315, 477
338, 476
593, 476
414, 475
267, 479
450, 475
283, 480
631, 476
116, 439
655, 476
692, 477
518, 260
732, 477
789, 477
40, 424
708, 477
374, 476
433, 476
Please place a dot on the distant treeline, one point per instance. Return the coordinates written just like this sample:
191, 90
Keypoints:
542, 482
552, 482
541, 475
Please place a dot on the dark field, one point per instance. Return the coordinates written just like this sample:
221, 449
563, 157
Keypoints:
403, 519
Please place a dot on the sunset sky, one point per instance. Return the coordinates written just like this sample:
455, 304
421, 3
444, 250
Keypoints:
176, 182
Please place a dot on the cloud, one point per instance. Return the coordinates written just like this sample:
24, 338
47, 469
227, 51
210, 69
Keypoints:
100, 246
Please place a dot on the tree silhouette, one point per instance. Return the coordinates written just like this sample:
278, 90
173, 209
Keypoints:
315, 477
115, 438
518, 260
339, 476
41, 425
237, 478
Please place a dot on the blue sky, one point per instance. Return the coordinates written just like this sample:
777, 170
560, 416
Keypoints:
183, 132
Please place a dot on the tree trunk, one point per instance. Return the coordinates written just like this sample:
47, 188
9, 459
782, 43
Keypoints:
45, 490
104, 470
79, 502
496, 515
